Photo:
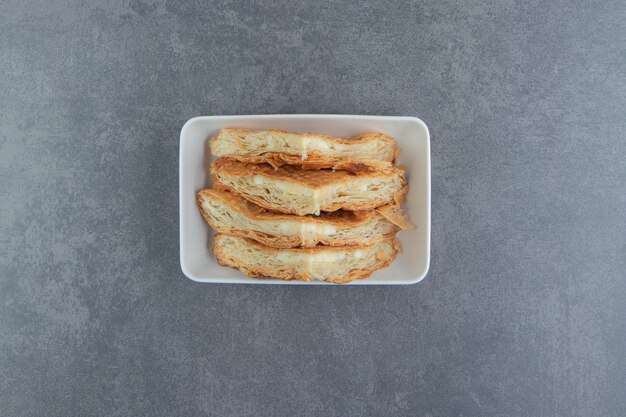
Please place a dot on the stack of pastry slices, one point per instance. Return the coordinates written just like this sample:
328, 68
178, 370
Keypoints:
304, 206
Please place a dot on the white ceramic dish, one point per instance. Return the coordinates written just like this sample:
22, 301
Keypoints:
196, 257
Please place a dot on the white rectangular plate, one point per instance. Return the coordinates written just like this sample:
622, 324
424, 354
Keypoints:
196, 256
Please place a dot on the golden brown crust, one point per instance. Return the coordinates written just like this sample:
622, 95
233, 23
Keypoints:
329, 208
337, 219
224, 259
393, 213
279, 242
400, 196
312, 159
224, 168
311, 178
360, 206
240, 204
363, 137
315, 161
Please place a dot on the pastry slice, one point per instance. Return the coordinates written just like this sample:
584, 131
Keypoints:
323, 263
289, 189
231, 214
365, 152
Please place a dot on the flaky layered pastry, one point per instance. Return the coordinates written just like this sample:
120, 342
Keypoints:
231, 214
365, 152
289, 189
323, 263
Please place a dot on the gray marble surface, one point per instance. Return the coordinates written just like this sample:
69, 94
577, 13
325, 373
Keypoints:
522, 314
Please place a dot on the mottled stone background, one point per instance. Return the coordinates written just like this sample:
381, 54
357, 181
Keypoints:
523, 312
